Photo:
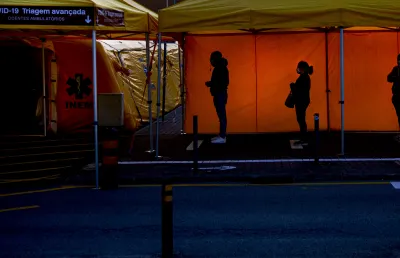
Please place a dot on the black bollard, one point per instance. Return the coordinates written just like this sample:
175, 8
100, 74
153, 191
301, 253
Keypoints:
316, 130
167, 241
195, 144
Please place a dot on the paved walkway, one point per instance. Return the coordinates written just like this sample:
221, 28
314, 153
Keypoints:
270, 173
172, 124
269, 146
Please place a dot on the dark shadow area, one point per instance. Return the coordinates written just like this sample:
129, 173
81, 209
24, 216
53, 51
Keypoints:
270, 146
21, 89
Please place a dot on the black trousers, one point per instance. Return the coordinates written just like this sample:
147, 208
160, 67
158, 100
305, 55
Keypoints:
301, 110
396, 104
220, 101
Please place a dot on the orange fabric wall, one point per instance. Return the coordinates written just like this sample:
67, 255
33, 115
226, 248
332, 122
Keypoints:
369, 58
241, 108
277, 59
75, 57
262, 67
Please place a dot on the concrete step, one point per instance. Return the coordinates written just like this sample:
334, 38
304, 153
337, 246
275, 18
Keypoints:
15, 143
31, 174
38, 158
40, 164
45, 148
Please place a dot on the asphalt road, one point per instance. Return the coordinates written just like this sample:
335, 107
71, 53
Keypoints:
209, 221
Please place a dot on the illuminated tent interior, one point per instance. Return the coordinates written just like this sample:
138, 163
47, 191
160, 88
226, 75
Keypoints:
69, 113
260, 40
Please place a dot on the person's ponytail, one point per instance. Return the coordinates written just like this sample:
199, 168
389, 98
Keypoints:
310, 70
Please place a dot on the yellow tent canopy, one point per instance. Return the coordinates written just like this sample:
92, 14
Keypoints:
63, 16
233, 15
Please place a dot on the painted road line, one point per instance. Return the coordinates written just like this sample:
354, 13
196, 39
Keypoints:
44, 190
33, 170
261, 161
20, 208
266, 184
29, 179
293, 184
329, 183
190, 147
221, 168
295, 146
193, 185
139, 186
396, 185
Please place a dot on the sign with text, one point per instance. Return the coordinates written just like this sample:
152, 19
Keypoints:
112, 18
47, 15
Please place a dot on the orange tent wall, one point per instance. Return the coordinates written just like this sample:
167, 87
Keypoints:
262, 67
369, 58
75, 57
242, 107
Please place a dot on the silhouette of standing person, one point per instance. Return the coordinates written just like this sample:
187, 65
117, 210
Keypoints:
394, 78
301, 98
219, 90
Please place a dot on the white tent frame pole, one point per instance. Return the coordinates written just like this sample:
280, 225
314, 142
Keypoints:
164, 73
158, 93
180, 78
95, 121
183, 99
342, 87
44, 89
149, 97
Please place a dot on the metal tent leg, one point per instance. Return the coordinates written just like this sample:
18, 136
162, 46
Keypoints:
95, 122
164, 80
158, 95
44, 89
328, 91
342, 87
149, 97
183, 105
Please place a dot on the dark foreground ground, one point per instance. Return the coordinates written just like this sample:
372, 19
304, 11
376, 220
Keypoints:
309, 220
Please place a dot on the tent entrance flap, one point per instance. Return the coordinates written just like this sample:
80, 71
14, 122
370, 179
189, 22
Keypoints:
21, 107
